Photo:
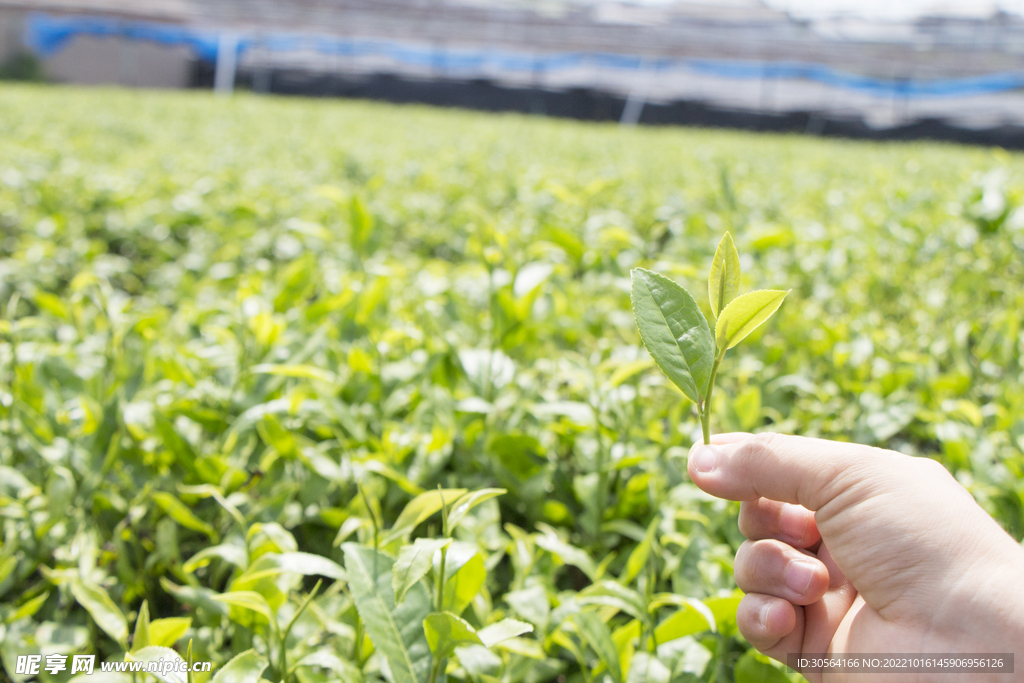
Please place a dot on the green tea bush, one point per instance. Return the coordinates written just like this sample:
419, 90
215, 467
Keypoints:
22, 66
266, 366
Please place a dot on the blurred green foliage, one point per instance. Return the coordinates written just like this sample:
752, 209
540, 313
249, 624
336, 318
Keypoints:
238, 333
22, 66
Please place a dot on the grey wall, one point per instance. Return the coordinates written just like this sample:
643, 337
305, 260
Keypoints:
94, 61
97, 61
12, 28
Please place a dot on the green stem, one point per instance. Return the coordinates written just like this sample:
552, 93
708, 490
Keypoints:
434, 666
704, 425
380, 386
492, 333
272, 634
602, 475
357, 645
721, 672
652, 577
440, 582
704, 411
439, 606
12, 310
373, 517
283, 659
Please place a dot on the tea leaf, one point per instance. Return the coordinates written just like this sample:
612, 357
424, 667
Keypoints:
413, 563
521, 454
724, 609
638, 558
244, 667
140, 638
746, 313
685, 621
154, 653
180, 513
297, 371
326, 659
479, 662
361, 222
167, 631
469, 501
756, 668
102, 609
646, 668
462, 586
309, 564
262, 577
523, 646
7, 567
615, 595
664, 599
674, 331
503, 630
724, 279
624, 637
532, 604
29, 608
627, 370
569, 554
250, 600
596, 634
232, 554
419, 509
196, 596
98, 676
396, 632
445, 632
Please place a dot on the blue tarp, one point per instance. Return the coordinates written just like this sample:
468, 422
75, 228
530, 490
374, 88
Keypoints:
47, 35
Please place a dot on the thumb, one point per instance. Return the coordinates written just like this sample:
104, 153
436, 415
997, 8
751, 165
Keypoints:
789, 469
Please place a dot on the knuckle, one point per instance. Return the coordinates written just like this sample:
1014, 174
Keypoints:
759, 518
759, 447
933, 468
749, 520
758, 563
748, 614
744, 567
744, 524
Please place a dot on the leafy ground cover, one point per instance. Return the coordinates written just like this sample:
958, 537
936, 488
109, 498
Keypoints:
245, 341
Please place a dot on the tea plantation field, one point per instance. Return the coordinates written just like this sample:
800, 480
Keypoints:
245, 340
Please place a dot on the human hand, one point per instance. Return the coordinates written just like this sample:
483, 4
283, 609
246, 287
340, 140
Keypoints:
853, 549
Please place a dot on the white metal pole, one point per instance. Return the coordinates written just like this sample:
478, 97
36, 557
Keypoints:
637, 96
227, 62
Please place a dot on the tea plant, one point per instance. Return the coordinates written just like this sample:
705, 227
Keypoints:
243, 341
417, 637
677, 334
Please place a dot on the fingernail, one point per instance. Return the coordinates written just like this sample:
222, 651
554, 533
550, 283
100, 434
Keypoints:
762, 616
793, 521
799, 575
704, 458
